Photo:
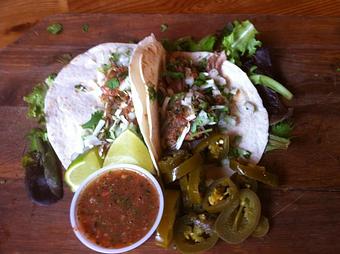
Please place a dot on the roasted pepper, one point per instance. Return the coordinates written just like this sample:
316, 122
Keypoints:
216, 145
164, 233
184, 185
184, 168
255, 172
221, 194
194, 233
238, 222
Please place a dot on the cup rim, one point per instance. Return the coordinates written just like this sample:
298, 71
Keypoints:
113, 167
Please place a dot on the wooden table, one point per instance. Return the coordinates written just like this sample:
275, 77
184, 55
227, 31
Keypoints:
304, 211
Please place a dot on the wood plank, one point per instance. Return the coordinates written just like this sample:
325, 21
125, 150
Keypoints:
303, 208
302, 222
281, 7
17, 16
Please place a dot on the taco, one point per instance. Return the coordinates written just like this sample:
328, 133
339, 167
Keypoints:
201, 93
146, 65
90, 102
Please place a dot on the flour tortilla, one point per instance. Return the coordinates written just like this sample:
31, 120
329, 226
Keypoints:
146, 65
252, 122
66, 109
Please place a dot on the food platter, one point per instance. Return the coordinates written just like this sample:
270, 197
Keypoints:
305, 185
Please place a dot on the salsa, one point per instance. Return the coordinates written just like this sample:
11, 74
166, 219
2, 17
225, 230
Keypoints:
117, 209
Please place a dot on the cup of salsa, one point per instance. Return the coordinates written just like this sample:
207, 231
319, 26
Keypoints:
117, 208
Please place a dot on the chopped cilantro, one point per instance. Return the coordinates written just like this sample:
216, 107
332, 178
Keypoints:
202, 64
55, 28
85, 28
95, 118
276, 142
236, 152
112, 83
174, 75
164, 27
80, 88
105, 68
152, 93
200, 80
115, 57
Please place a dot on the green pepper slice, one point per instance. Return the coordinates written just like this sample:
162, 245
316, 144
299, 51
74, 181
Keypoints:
255, 172
164, 233
262, 228
236, 224
183, 184
217, 146
221, 194
194, 233
184, 168
168, 163
243, 182
194, 179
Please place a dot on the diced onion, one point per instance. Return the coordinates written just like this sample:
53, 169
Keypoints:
99, 126
181, 138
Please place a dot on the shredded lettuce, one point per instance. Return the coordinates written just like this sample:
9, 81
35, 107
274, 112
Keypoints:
241, 41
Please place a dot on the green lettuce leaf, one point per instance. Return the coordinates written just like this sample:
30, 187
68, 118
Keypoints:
187, 43
241, 41
36, 99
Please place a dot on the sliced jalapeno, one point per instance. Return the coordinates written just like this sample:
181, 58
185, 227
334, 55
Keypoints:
243, 182
194, 233
168, 163
237, 223
262, 228
164, 233
184, 168
217, 146
255, 172
221, 194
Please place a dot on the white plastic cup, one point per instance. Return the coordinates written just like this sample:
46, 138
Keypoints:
73, 210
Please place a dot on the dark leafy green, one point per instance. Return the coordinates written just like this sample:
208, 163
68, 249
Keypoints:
112, 83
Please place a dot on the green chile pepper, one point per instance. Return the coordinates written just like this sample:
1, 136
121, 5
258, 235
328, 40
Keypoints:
194, 180
217, 145
164, 233
221, 194
243, 182
184, 168
262, 228
194, 233
168, 163
237, 223
255, 172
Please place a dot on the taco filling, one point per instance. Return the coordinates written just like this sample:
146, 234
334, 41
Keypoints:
203, 93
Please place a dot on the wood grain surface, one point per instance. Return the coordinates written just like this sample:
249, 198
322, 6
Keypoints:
17, 16
303, 211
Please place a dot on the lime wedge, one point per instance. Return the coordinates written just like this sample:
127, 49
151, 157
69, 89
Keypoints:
129, 148
83, 166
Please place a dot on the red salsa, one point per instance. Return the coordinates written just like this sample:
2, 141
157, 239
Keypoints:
117, 209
